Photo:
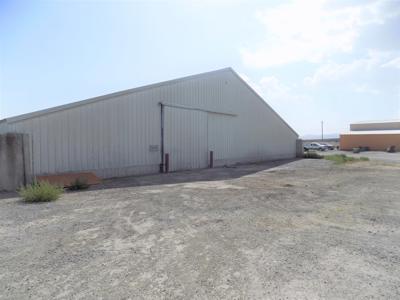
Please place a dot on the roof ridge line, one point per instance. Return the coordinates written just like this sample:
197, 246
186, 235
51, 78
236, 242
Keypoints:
108, 96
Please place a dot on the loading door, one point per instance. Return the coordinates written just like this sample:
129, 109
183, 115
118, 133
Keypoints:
185, 138
221, 138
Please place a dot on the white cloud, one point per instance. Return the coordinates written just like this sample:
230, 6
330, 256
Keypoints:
332, 71
365, 89
399, 101
274, 90
252, 83
394, 63
311, 31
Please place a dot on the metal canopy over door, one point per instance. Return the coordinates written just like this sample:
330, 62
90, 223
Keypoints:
185, 138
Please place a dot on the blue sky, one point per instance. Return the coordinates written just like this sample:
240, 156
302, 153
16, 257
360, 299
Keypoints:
310, 60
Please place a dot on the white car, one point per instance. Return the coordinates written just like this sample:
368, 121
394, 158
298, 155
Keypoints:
315, 146
329, 146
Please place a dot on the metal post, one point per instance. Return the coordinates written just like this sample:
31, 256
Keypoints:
162, 139
211, 159
322, 130
23, 159
166, 162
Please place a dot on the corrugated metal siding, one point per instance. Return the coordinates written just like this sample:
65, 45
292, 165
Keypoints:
185, 135
222, 137
3, 127
112, 137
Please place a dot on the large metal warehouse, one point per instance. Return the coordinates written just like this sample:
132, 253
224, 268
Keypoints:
211, 118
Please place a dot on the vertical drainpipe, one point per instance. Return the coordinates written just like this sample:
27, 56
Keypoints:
23, 137
33, 178
162, 138
166, 163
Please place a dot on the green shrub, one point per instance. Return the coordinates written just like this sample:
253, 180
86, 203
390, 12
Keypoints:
312, 155
79, 184
342, 158
40, 192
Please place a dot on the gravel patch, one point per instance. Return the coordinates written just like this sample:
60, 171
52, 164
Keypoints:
304, 229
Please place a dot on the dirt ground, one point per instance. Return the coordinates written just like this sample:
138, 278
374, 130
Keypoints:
303, 229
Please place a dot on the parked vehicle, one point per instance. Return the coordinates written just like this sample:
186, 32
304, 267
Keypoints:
315, 146
329, 146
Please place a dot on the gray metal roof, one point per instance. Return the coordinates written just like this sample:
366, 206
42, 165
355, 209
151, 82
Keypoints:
363, 132
106, 97
150, 86
378, 121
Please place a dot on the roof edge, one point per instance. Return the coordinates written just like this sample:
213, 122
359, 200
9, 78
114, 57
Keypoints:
372, 132
376, 122
262, 100
71, 105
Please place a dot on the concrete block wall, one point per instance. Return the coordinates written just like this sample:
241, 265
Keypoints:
299, 148
15, 161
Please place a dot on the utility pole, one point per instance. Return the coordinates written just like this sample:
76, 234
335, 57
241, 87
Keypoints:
322, 130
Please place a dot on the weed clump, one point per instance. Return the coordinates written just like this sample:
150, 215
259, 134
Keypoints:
342, 158
312, 155
40, 192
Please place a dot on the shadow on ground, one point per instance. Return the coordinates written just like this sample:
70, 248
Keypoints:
7, 195
219, 173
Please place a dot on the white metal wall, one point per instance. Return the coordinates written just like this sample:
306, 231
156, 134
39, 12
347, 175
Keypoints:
117, 136
185, 138
222, 139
